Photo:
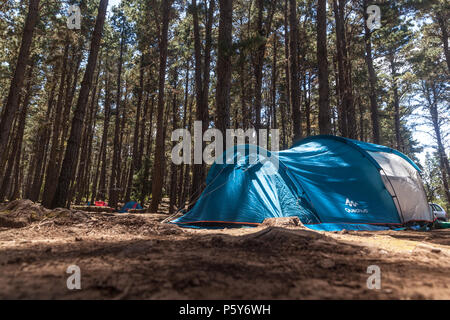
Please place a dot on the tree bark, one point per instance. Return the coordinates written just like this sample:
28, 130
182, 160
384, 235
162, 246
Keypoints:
201, 91
52, 165
136, 158
293, 70
174, 168
14, 158
397, 125
12, 102
85, 156
322, 60
436, 121
372, 80
442, 18
71, 155
224, 67
185, 167
158, 166
273, 113
107, 110
115, 169
42, 144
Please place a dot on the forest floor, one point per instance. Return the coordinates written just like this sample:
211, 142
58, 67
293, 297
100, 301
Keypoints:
135, 256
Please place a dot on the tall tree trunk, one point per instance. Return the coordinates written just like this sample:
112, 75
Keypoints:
263, 29
85, 156
258, 64
293, 70
442, 18
224, 68
346, 108
340, 82
70, 94
91, 133
436, 121
138, 145
122, 174
287, 107
201, 90
42, 144
274, 123
184, 168
97, 175
397, 125
307, 98
107, 111
136, 158
372, 80
71, 155
174, 168
158, 166
14, 158
322, 60
115, 169
147, 185
52, 166
12, 102
243, 90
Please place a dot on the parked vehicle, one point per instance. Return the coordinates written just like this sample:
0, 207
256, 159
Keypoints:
438, 212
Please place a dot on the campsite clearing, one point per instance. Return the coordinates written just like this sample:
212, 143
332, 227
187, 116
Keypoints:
125, 256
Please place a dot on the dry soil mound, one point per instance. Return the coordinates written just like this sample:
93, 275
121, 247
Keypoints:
20, 213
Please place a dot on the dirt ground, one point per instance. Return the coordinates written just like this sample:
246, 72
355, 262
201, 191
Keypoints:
135, 256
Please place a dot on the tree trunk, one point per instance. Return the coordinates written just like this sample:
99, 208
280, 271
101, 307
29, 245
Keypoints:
146, 187
340, 83
85, 156
136, 158
293, 70
287, 107
307, 103
372, 80
12, 102
201, 90
138, 145
107, 110
158, 166
122, 169
174, 168
397, 125
224, 68
52, 166
274, 123
42, 144
442, 19
322, 60
71, 155
184, 168
87, 171
444, 164
115, 171
346, 108
14, 158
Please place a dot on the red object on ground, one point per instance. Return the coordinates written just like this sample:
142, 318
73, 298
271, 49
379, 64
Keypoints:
100, 204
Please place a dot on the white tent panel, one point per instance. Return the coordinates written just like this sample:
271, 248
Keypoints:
404, 182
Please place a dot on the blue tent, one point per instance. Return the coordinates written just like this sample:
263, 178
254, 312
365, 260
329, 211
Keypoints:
130, 205
330, 183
